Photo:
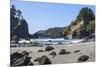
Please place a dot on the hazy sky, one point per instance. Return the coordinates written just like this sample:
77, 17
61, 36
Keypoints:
41, 16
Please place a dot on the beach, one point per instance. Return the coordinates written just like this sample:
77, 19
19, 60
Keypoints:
76, 50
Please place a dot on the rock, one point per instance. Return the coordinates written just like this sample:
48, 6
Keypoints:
63, 51
83, 58
20, 30
60, 43
37, 59
30, 64
43, 60
76, 51
40, 51
14, 57
27, 61
53, 54
25, 53
49, 48
20, 59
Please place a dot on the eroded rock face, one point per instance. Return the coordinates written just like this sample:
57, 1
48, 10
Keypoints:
83, 58
43, 60
63, 51
49, 48
18, 28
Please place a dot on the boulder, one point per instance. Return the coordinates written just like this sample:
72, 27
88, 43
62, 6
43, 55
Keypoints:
20, 59
63, 51
49, 48
14, 57
53, 54
83, 58
43, 60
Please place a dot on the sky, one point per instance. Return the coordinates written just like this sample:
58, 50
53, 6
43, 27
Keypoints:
42, 15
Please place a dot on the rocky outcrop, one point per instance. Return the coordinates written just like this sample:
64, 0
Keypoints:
83, 26
21, 30
18, 25
20, 59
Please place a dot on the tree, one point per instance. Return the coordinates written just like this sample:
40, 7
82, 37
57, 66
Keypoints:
91, 27
88, 27
86, 14
12, 10
19, 14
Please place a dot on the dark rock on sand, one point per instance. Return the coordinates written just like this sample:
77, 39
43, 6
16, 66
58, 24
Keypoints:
63, 51
43, 60
21, 59
83, 58
14, 57
40, 51
53, 54
27, 61
76, 51
49, 48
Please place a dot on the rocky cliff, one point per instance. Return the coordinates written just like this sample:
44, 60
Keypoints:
83, 26
18, 26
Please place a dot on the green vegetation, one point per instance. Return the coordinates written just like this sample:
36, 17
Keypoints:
87, 28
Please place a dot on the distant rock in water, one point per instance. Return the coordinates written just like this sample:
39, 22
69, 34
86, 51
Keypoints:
49, 48
43, 60
83, 58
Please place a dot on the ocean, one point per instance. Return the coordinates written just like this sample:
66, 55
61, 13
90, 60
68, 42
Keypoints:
56, 41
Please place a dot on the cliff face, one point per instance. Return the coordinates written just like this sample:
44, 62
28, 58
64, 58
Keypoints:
74, 29
83, 26
18, 26
20, 30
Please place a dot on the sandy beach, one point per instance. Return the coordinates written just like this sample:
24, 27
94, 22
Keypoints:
87, 48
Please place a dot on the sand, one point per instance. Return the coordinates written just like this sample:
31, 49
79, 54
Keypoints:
87, 48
